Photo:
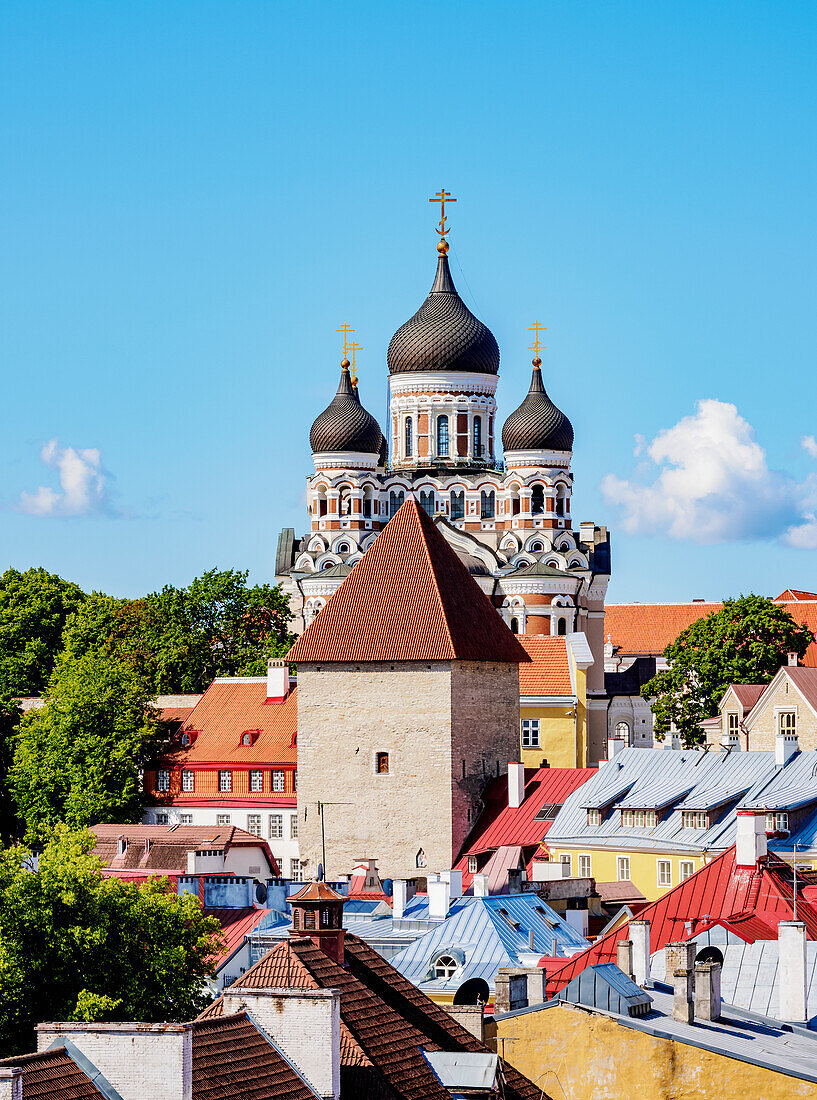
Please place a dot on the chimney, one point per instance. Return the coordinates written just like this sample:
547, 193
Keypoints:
679, 955
614, 746
303, 1023
191, 861
471, 1017
750, 844
791, 660
587, 532
576, 915
438, 899
785, 746
480, 885
683, 1007
277, 680
454, 880
139, 1060
640, 937
121, 846
403, 890
624, 957
11, 1083
708, 990
516, 785
791, 969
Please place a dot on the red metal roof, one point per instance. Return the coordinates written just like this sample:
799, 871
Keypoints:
500, 825
720, 891
236, 924
549, 670
409, 598
748, 694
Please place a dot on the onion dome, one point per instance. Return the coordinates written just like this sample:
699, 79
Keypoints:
383, 449
537, 425
443, 335
345, 425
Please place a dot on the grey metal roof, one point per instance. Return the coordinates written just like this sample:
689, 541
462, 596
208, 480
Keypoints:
605, 986
285, 554
458, 1070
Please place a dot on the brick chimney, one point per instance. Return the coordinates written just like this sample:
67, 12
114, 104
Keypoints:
11, 1083
708, 990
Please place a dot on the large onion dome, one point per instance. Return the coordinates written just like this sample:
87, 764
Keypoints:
537, 425
443, 335
345, 425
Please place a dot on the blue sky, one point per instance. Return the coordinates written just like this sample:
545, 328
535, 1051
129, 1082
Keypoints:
195, 195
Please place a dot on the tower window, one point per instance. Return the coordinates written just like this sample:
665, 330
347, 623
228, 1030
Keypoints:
478, 449
562, 627
487, 504
395, 500
381, 763
515, 626
409, 440
537, 500
457, 505
442, 436
427, 501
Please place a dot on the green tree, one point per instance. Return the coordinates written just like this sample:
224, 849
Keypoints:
78, 759
34, 607
75, 945
10, 715
745, 642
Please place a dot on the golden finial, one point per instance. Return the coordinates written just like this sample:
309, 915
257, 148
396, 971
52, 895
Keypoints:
442, 197
536, 346
345, 329
354, 348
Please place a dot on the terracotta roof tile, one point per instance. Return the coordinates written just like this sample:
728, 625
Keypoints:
549, 670
795, 594
409, 598
316, 891
233, 1060
53, 1075
164, 848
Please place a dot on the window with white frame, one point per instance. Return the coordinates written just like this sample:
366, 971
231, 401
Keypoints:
623, 868
473, 865
222, 819
161, 819
188, 780
254, 824
638, 819
296, 871
777, 823
584, 866
732, 726
566, 858
162, 780
694, 819
446, 967
787, 723
622, 731
276, 826
256, 780
293, 827
664, 872
594, 817
687, 869
225, 781
530, 733
278, 780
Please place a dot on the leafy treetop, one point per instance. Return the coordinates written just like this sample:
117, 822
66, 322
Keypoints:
34, 607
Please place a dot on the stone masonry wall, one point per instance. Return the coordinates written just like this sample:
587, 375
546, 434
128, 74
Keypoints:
764, 730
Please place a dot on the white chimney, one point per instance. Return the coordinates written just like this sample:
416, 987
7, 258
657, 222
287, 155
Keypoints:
791, 971
587, 532
785, 746
438, 899
577, 918
624, 957
136, 1058
640, 936
11, 1083
480, 885
304, 1023
191, 861
454, 880
403, 891
516, 785
277, 680
614, 746
791, 659
708, 990
750, 845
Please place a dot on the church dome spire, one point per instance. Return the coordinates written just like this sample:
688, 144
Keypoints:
345, 425
537, 425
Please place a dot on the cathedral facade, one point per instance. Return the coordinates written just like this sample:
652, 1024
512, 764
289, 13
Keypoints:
508, 515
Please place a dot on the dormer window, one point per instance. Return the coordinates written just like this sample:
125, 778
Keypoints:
121, 847
777, 823
188, 738
638, 819
594, 817
185, 740
249, 737
446, 967
694, 819
246, 739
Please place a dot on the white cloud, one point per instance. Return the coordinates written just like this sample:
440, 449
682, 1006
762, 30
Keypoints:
809, 445
83, 481
714, 485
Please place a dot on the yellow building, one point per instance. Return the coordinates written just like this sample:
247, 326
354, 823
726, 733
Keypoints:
553, 701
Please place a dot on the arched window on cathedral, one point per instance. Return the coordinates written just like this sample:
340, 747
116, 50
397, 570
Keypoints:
457, 505
513, 499
427, 501
561, 500
478, 437
515, 626
442, 436
487, 503
409, 438
623, 732
395, 500
537, 500
561, 627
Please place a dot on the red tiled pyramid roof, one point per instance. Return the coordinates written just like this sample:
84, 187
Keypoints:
549, 670
409, 598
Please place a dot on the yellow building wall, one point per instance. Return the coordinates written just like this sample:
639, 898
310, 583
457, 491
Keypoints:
575, 1054
562, 730
643, 866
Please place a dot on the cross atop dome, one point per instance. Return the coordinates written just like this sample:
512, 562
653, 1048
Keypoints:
442, 197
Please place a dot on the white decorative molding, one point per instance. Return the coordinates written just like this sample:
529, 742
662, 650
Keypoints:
345, 460
442, 382
541, 459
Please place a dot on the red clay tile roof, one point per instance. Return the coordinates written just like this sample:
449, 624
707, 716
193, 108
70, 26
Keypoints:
499, 824
233, 1060
169, 845
646, 629
409, 598
386, 1022
549, 670
748, 694
174, 714
53, 1075
718, 891
795, 594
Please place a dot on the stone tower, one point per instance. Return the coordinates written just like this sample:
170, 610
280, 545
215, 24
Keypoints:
408, 701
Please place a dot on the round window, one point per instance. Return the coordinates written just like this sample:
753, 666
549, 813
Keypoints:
445, 967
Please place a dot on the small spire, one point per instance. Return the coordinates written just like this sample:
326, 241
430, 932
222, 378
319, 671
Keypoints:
442, 197
345, 329
345, 384
354, 348
537, 345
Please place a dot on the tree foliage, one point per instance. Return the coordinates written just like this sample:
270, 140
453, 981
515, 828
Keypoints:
78, 759
77, 945
745, 642
34, 607
10, 715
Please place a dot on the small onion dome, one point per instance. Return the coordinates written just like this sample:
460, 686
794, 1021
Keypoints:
443, 335
383, 449
345, 425
537, 425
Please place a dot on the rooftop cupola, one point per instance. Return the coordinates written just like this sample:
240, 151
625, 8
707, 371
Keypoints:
317, 912
344, 425
537, 425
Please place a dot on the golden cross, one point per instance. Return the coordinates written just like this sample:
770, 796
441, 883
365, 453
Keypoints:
536, 346
354, 348
442, 197
345, 329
